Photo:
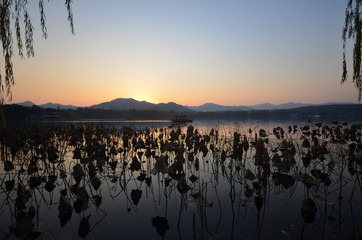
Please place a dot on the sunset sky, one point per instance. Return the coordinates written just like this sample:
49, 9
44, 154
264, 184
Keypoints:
190, 52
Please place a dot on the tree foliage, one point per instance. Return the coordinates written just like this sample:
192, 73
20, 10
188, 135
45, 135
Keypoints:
352, 30
14, 15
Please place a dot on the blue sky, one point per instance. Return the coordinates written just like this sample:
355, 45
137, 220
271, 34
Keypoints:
188, 52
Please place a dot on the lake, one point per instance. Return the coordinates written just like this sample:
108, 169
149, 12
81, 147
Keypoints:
99, 179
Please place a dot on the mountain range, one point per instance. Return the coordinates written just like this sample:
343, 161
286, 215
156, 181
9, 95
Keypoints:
47, 105
130, 103
212, 107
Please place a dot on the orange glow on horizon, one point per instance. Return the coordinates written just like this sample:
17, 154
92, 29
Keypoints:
159, 59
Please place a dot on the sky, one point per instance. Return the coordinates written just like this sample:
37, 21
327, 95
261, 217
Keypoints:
190, 52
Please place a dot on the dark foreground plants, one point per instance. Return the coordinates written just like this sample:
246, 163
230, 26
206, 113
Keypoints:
185, 182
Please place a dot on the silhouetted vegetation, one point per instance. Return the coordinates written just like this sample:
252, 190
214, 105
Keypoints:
294, 183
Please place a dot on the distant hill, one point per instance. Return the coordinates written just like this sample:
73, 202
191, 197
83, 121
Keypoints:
123, 104
212, 107
56, 106
269, 106
47, 105
130, 103
25, 104
171, 106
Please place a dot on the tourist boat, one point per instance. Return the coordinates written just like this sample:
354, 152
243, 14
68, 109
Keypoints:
180, 119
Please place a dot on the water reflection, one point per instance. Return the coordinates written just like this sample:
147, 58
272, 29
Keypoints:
95, 182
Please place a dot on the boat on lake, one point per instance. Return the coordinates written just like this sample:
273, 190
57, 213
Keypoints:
180, 119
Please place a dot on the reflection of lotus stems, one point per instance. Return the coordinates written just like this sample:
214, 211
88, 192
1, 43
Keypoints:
232, 200
229, 171
214, 185
193, 226
179, 215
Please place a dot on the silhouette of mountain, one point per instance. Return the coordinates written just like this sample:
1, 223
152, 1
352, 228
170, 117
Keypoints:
130, 103
47, 105
123, 104
292, 105
25, 104
212, 107
57, 105
269, 106
171, 106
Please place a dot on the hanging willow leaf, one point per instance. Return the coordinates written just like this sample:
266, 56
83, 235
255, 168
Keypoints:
14, 13
42, 19
352, 30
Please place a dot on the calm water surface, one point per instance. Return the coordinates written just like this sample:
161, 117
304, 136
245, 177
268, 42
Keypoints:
98, 180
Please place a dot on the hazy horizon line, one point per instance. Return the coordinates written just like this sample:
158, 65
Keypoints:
186, 105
